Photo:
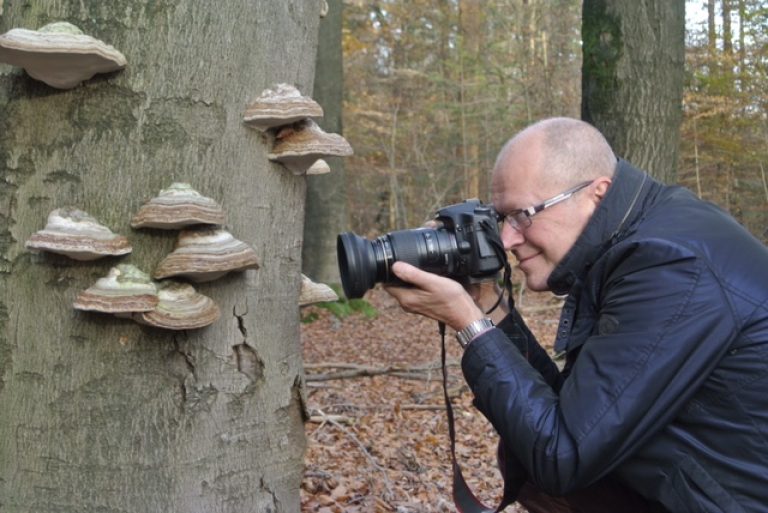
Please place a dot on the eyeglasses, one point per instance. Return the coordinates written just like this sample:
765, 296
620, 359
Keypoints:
521, 219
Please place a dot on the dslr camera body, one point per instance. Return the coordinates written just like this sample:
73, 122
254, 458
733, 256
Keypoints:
465, 246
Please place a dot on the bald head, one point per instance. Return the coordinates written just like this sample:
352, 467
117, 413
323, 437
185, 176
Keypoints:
559, 151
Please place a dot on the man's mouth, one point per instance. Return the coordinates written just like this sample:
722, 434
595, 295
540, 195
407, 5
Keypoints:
521, 260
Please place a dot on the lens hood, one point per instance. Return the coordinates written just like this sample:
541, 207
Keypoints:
357, 264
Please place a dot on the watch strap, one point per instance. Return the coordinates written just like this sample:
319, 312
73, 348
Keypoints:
474, 328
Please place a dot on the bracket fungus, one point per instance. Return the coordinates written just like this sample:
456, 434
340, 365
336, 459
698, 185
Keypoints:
59, 54
280, 106
313, 292
181, 307
125, 289
299, 146
205, 255
76, 234
176, 207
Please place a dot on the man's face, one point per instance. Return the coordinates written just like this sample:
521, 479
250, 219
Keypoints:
553, 231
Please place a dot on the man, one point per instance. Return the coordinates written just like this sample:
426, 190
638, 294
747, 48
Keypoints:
663, 401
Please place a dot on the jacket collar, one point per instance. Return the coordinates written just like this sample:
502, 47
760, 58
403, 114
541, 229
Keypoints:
615, 217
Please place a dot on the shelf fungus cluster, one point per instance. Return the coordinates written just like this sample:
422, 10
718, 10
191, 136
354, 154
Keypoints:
59, 54
298, 142
129, 292
204, 251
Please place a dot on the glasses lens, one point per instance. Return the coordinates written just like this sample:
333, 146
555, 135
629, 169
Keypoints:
522, 220
518, 221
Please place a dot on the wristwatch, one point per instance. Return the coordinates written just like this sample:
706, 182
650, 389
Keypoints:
467, 334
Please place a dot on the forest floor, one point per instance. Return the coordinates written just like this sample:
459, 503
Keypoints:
378, 437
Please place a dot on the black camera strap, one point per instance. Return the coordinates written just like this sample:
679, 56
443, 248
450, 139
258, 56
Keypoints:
463, 498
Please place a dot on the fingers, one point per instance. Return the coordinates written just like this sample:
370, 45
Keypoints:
433, 296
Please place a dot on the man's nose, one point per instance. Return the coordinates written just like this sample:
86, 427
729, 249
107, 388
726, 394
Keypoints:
510, 237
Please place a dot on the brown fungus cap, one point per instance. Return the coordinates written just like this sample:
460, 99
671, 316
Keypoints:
181, 307
125, 289
176, 207
205, 255
281, 105
79, 236
299, 146
313, 292
59, 54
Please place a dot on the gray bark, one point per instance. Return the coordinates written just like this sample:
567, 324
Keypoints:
99, 413
327, 194
632, 80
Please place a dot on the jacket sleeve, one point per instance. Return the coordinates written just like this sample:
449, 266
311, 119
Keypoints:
670, 324
517, 332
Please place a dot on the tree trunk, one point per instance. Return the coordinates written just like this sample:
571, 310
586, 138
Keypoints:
711, 29
727, 32
100, 413
472, 28
632, 80
326, 213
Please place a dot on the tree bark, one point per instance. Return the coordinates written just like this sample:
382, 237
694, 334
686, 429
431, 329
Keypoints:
102, 414
326, 213
632, 79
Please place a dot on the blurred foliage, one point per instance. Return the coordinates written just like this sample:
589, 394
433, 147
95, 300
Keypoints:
725, 131
433, 89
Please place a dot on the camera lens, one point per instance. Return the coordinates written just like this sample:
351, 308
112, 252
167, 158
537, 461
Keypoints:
363, 263
357, 264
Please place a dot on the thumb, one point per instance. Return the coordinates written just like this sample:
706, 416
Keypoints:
406, 272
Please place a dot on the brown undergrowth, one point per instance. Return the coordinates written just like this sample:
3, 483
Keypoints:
378, 436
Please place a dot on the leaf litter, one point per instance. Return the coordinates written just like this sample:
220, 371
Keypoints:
377, 440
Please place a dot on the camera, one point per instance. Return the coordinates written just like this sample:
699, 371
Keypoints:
465, 246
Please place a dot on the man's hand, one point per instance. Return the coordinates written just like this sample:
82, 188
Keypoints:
433, 296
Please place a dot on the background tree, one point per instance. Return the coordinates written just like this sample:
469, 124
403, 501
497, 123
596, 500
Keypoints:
326, 211
99, 413
632, 78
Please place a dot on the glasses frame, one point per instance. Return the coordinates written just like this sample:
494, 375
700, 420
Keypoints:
520, 219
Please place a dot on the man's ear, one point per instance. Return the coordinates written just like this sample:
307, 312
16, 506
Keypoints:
600, 188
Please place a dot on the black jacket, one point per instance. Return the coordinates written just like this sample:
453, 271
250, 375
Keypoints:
665, 386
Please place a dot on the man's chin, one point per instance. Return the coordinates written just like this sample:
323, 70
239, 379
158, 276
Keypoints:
536, 283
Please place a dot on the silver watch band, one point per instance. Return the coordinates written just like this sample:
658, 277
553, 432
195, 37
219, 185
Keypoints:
467, 334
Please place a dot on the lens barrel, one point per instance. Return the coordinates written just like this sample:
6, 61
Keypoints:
363, 263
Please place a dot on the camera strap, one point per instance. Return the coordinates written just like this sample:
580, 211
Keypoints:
463, 497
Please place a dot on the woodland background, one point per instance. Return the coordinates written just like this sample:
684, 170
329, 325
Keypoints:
431, 90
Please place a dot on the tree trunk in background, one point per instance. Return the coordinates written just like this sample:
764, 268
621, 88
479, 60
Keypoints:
632, 80
472, 28
711, 29
727, 32
326, 212
99, 413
